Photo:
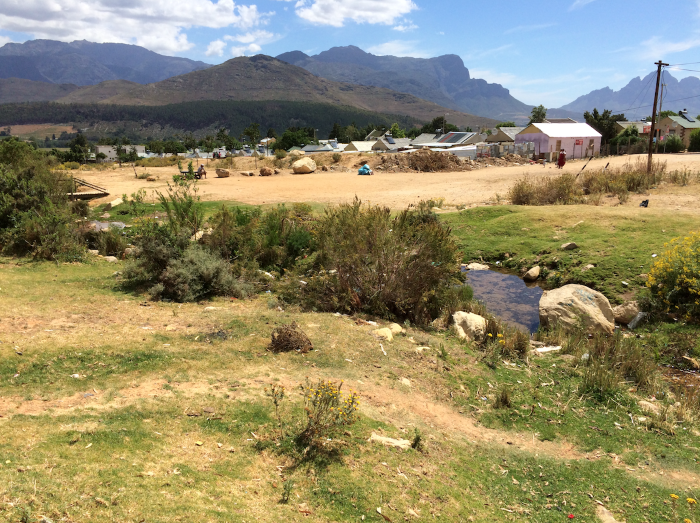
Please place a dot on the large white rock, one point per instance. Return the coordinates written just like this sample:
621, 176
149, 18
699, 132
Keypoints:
626, 312
477, 267
572, 305
304, 166
469, 326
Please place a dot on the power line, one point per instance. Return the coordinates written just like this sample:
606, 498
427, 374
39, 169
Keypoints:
687, 63
679, 69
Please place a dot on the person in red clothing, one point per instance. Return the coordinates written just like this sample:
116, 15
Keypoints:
562, 159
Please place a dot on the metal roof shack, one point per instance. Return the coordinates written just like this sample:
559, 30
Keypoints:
504, 134
389, 143
448, 140
579, 140
680, 126
362, 147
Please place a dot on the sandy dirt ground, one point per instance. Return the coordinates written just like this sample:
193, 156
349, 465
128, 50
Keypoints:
396, 190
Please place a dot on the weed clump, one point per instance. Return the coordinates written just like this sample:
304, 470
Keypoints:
288, 338
327, 411
559, 190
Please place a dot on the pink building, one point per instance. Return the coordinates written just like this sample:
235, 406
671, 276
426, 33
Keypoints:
579, 140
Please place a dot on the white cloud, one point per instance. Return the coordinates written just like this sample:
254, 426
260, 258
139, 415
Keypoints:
336, 12
156, 24
579, 4
259, 36
216, 48
245, 50
527, 28
397, 48
405, 27
655, 47
4, 40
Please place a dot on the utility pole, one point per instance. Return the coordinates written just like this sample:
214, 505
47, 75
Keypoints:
660, 64
661, 107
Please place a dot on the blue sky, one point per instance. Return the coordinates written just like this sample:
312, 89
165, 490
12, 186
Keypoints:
546, 51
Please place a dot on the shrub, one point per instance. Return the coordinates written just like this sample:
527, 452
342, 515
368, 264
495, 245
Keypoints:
558, 190
673, 144
326, 411
47, 233
694, 145
111, 242
280, 154
197, 275
159, 162
71, 166
337, 157
182, 206
80, 208
394, 267
674, 279
142, 176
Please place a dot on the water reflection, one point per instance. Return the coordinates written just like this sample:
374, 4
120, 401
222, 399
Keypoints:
508, 297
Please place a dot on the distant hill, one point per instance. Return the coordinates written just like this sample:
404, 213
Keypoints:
16, 90
443, 80
261, 78
87, 63
678, 95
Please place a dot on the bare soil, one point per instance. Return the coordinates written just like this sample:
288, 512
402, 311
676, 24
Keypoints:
394, 189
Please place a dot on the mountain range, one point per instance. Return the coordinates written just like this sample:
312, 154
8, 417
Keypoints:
256, 78
88, 63
636, 99
443, 79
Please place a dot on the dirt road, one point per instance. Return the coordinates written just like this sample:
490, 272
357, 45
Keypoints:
396, 190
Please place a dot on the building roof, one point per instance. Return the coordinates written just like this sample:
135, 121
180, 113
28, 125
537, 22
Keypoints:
560, 120
321, 148
685, 122
425, 138
639, 125
455, 138
364, 147
389, 143
374, 135
511, 131
562, 130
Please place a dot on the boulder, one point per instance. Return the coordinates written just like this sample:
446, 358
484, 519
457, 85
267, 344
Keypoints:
324, 168
266, 171
587, 267
297, 153
572, 305
469, 326
111, 259
116, 202
532, 274
390, 442
304, 166
223, 173
626, 312
395, 328
384, 334
477, 267
277, 171
569, 246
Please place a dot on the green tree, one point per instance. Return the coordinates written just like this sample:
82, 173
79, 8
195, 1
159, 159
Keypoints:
604, 123
396, 131
156, 146
252, 132
438, 123
694, 141
505, 124
629, 136
271, 133
538, 114
293, 138
189, 141
79, 149
664, 114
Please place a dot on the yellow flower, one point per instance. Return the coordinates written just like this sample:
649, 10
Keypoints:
686, 520
490, 335
674, 496
691, 501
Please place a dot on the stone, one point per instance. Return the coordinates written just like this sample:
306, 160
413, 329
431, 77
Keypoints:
94, 252
390, 442
304, 166
649, 407
297, 153
105, 215
569, 246
384, 333
477, 267
324, 168
266, 171
223, 173
574, 305
277, 171
151, 179
129, 252
532, 274
395, 328
406, 381
111, 259
587, 267
116, 202
626, 312
469, 326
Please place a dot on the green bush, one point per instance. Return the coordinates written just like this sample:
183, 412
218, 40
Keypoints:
368, 261
560, 190
672, 144
280, 154
71, 166
111, 242
337, 157
674, 279
199, 274
694, 145
80, 208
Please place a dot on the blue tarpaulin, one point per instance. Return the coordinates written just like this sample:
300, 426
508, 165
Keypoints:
365, 170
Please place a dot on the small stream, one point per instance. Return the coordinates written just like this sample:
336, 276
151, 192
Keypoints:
508, 297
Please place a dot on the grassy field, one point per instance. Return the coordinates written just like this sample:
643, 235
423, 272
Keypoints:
618, 241
113, 408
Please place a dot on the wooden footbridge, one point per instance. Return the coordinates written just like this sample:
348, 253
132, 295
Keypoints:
93, 191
